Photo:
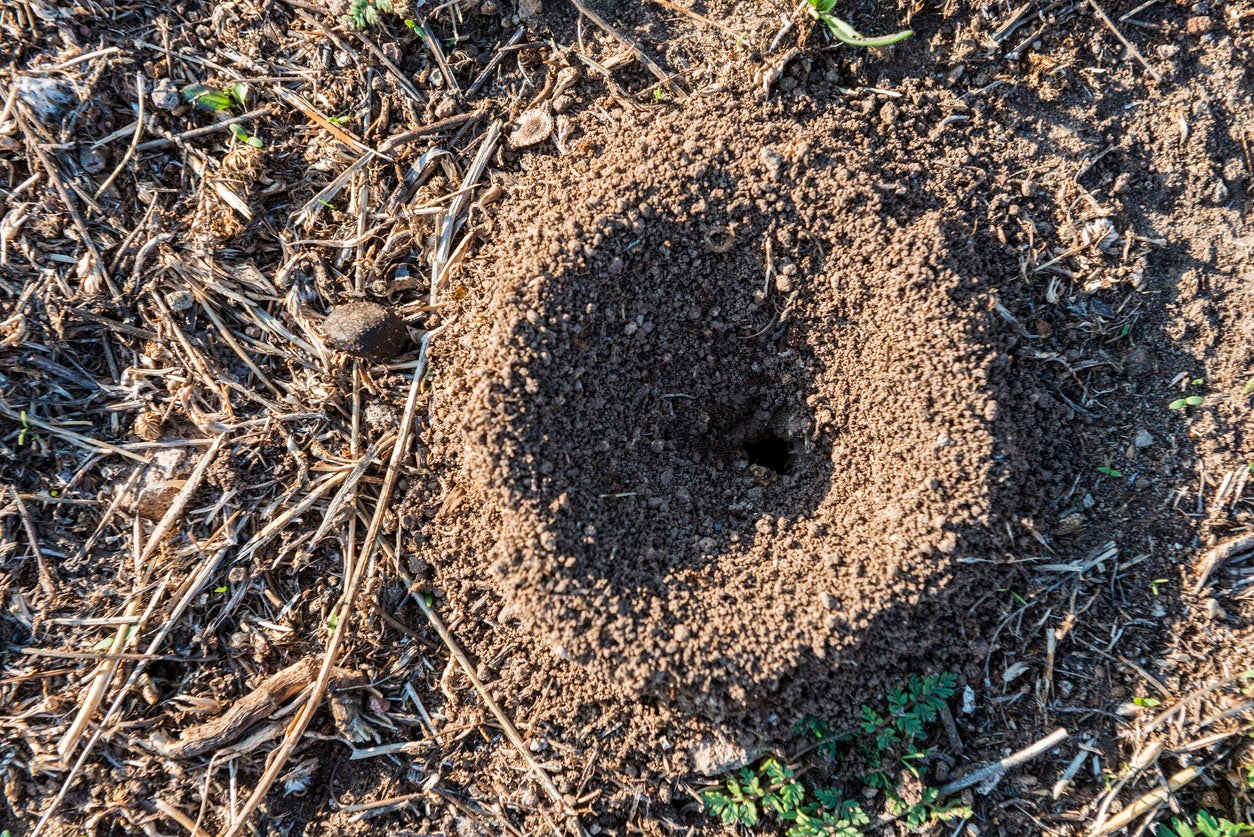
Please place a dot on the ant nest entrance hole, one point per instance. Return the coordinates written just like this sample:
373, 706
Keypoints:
771, 452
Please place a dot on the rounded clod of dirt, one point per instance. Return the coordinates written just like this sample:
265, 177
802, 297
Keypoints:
366, 330
534, 127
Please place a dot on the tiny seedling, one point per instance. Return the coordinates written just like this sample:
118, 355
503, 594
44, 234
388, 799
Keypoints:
1204, 825
207, 98
1182, 403
1156, 583
884, 743
243, 136
821, 10
1147, 702
1248, 389
25, 431
1110, 472
365, 13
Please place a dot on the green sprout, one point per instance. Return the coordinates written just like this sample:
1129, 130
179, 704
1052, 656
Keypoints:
207, 98
1154, 584
1147, 702
1110, 472
1191, 401
22, 434
1248, 389
365, 13
243, 136
821, 10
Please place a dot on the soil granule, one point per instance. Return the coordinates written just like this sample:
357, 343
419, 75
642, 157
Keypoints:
732, 400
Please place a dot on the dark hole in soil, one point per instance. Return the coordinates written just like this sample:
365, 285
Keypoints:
770, 451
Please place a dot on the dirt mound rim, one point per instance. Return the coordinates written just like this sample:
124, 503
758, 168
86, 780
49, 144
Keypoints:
741, 412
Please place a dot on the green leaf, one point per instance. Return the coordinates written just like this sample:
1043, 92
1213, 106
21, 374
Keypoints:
1248, 389
206, 98
238, 132
239, 92
1110, 472
1178, 404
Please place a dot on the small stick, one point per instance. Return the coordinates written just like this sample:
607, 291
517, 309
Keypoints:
180, 818
436, 52
994, 771
78, 59
1136, 53
94, 445
510, 731
139, 131
207, 129
644, 59
311, 113
1217, 555
675, 7
495, 62
46, 578
1151, 800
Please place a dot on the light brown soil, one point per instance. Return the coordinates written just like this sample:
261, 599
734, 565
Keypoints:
744, 405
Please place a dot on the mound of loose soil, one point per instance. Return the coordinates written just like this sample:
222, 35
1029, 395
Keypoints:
733, 402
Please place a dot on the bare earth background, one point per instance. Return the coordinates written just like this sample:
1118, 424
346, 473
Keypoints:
763, 374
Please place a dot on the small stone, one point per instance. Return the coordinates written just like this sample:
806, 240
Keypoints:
180, 300
366, 330
715, 755
165, 96
1143, 439
161, 482
772, 162
1123, 184
562, 103
888, 113
1070, 523
446, 108
92, 161
1198, 25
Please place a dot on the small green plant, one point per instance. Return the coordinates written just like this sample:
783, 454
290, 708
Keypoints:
243, 136
1204, 825
821, 10
1147, 702
25, 431
1248, 389
365, 13
1156, 583
1191, 401
884, 744
207, 98
1110, 472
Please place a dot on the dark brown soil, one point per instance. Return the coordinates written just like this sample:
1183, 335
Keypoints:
757, 390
